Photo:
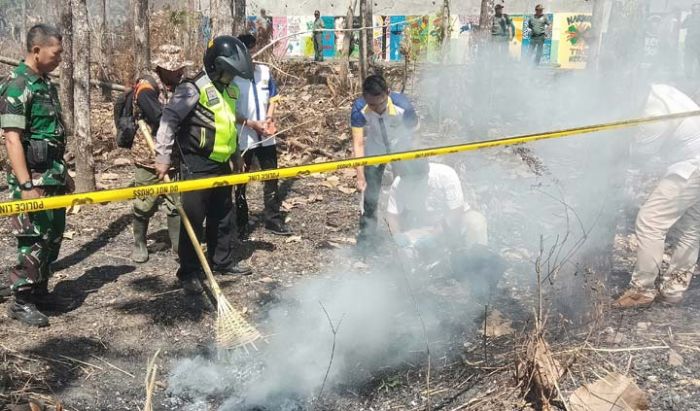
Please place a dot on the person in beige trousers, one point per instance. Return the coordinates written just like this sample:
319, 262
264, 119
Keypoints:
674, 201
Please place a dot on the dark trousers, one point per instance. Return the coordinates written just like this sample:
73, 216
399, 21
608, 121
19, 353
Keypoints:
537, 48
216, 206
368, 219
267, 157
318, 47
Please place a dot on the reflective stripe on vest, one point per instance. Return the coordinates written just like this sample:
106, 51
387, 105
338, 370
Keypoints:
223, 107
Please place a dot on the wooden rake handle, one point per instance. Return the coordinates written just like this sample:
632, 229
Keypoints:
146, 131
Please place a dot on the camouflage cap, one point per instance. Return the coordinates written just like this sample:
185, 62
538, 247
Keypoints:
170, 57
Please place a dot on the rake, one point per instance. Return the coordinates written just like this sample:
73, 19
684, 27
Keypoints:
232, 330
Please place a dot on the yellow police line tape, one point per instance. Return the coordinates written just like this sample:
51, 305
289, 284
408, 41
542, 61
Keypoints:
121, 194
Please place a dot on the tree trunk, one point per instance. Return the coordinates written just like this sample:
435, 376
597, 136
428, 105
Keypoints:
66, 80
239, 17
24, 23
347, 38
221, 18
366, 36
486, 16
445, 29
141, 35
192, 27
596, 34
84, 162
104, 50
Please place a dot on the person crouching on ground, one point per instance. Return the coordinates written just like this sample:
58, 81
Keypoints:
674, 201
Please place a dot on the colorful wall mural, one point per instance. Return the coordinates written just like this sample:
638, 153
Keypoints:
566, 45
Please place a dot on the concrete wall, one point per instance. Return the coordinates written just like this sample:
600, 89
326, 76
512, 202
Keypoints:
412, 7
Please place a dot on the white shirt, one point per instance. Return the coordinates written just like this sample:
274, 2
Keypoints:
677, 141
426, 202
253, 102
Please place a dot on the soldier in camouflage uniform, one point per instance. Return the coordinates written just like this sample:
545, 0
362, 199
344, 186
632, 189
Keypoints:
150, 95
30, 115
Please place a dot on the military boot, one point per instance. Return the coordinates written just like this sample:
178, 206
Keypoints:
140, 253
24, 310
174, 231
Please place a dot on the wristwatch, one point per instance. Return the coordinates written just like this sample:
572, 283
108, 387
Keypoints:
26, 186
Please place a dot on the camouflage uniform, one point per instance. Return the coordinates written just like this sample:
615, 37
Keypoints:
29, 102
144, 163
149, 97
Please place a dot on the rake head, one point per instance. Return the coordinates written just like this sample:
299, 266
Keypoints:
232, 330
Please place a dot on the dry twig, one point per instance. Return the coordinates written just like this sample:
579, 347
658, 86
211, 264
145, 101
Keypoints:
151, 373
334, 330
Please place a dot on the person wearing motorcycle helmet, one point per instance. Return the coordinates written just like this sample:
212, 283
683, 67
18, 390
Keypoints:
199, 122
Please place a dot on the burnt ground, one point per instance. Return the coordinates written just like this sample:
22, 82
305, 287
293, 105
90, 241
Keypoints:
117, 314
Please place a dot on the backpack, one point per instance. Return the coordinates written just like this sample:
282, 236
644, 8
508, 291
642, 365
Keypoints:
124, 118
124, 115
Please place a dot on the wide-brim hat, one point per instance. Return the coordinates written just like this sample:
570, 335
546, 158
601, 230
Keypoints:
170, 57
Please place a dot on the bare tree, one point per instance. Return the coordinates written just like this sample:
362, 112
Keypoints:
239, 17
221, 14
347, 39
365, 38
141, 35
445, 29
486, 16
66, 81
104, 50
84, 162
24, 22
192, 24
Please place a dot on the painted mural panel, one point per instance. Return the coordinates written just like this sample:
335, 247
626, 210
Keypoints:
516, 46
380, 37
398, 23
294, 43
307, 42
573, 32
328, 37
417, 30
279, 29
339, 24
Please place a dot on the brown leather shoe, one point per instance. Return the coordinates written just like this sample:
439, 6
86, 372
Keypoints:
635, 297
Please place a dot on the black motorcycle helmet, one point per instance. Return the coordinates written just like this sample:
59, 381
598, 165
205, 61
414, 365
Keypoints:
226, 57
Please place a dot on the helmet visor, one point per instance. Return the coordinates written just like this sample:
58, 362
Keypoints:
230, 67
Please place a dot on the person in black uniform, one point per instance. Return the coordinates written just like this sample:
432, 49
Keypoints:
200, 122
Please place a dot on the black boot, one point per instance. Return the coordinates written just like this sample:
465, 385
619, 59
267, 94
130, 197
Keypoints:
241, 268
190, 282
278, 227
24, 310
140, 252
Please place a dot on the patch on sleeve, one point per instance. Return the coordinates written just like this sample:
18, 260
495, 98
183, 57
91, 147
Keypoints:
11, 105
212, 96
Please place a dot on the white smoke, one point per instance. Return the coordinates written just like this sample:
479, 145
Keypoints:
553, 195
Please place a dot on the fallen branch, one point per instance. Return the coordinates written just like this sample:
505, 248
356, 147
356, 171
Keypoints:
630, 349
113, 366
75, 360
96, 83
274, 66
307, 148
